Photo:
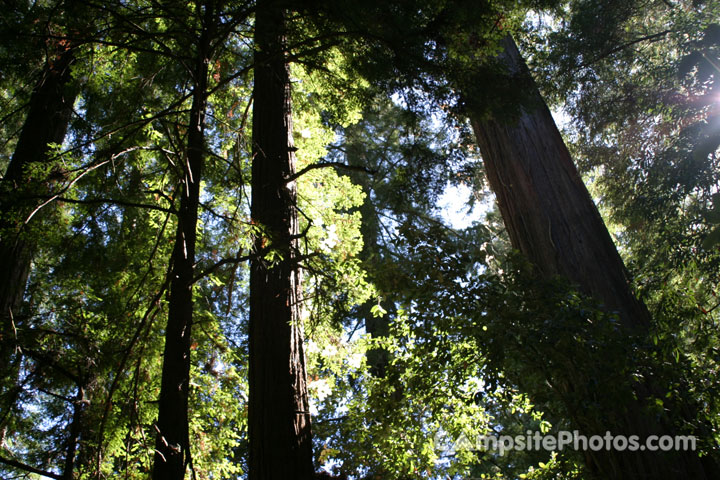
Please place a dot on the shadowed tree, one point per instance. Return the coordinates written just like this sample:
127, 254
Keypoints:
279, 417
172, 446
47, 120
551, 218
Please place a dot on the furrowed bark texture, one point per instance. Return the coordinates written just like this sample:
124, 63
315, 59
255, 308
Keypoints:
279, 418
548, 212
551, 218
46, 122
172, 445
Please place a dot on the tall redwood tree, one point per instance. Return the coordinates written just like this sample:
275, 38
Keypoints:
551, 218
279, 417
47, 121
172, 445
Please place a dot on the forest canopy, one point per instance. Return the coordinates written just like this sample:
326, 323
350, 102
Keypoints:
224, 250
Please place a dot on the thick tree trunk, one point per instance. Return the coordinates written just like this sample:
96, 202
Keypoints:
551, 218
46, 122
279, 418
172, 445
547, 209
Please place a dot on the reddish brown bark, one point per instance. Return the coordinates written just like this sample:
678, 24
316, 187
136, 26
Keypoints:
551, 218
279, 418
548, 212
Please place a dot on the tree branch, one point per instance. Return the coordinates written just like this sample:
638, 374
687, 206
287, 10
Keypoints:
28, 468
65, 189
235, 260
111, 201
339, 165
304, 232
651, 38
55, 395
52, 363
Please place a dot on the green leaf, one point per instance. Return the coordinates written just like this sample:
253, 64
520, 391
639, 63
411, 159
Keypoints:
378, 311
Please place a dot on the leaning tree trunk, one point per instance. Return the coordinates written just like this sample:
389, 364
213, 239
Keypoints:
172, 444
551, 219
46, 123
279, 418
548, 212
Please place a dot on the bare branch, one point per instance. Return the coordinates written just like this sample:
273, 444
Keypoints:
225, 261
28, 468
339, 165
65, 189
655, 37
111, 201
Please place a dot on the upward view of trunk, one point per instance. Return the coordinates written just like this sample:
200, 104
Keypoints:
375, 326
172, 445
75, 431
46, 122
77, 447
552, 220
548, 212
279, 417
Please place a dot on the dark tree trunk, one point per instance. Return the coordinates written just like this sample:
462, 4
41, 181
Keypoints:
46, 122
279, 418
77, 424
547, 209
551, 218
172, 445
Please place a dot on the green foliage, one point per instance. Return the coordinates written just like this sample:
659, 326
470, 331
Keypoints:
712, 216
416, 332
